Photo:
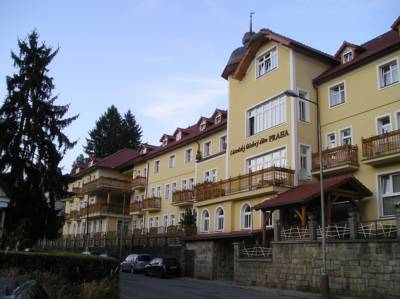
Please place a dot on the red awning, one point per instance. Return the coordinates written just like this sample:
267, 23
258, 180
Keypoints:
304, 193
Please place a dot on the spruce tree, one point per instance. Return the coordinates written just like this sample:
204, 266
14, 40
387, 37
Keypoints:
32, 145
112, 133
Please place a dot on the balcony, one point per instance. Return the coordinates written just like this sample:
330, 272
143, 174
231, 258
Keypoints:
381, 149
77, 191
107, 184
337, 160
72, 215
139, 183
183, 198
136, 208
152, 204
102, 209
267, 177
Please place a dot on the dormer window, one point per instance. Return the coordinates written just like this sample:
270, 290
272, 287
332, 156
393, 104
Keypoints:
165, 141
202, 126
218, 118
347, 56
179, 135
143, 151
91, 163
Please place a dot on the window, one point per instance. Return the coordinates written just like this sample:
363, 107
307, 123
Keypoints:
398, 120
384, 124
336, 95
214, 175
389, 193
347, 56
100, 228
153, 192
158, 193
165, 222
165, 141
184, 184
210, 175
173, 187
157, 166
222, 144
172, 219
267, 62
304, 107
171, 162
178, 136
156, 222
219, 220
218, 118
269, 218
267, 115
167, 191
203, 126
207, 149
305, 162
389, 73
277, 158
206, 221
191, 183
246, 216
188, 155
345, 136
331, 140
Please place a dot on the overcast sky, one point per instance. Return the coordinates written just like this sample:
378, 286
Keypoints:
164, 59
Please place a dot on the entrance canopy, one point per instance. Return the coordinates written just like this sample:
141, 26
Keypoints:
342, 186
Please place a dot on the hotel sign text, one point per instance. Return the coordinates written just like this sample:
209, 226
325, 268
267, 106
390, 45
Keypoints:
256, 143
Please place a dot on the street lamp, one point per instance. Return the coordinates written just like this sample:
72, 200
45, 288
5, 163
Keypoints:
324, 283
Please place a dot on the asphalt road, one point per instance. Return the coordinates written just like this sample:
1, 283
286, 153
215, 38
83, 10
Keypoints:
142, 287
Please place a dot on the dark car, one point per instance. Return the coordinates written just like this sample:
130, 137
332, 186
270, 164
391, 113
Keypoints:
163, 267
135, 262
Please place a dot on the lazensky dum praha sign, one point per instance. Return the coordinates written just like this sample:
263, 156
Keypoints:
262, 140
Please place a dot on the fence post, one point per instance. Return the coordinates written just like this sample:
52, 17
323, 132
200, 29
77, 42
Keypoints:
353, 225
397, 207
312, 225
277, 230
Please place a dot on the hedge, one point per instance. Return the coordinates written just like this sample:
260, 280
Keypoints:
76, 268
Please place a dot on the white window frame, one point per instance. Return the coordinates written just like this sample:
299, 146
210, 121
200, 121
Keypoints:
172, 219
274, 58
172, 161
218, 118
379, 188
166, 221
178, 135
210, 148
397, 119
191, 183
329, 94
203, 125
328, 141
167, 191
243, 216
221, 143
218, 218
203, 219
351, 135
307, 115
309, 160
157, 166
259, 155
380, 117
379, 73
190, 156
184, 184
348, 51
173, 189
158, 191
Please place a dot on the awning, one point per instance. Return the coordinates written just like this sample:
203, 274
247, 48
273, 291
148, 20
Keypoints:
307, 192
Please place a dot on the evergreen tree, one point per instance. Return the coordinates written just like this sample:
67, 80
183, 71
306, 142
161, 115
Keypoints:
80, 160
112, 133
32, 145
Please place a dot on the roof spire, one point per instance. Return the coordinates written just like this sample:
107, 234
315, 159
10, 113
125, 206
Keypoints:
251, 21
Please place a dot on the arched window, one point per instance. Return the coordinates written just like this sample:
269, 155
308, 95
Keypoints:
246, 216
219, 220
206, 221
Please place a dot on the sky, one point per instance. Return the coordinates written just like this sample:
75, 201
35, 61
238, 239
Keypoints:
163, 59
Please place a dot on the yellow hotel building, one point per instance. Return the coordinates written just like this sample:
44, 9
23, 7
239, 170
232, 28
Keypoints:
244, 168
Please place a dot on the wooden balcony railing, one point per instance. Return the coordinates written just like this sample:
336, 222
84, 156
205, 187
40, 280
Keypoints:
182, 197
107, 183
139, 182
77, 191
136, 206
150, 203
338, 156
381, 145
104, 209
272, 176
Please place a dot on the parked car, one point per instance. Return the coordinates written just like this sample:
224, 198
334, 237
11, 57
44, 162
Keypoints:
163, 267
135, 262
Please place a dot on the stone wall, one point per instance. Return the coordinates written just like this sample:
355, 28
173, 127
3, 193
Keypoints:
362, 268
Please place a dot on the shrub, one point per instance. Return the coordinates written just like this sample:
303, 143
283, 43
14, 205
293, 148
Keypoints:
55, 285
104, 289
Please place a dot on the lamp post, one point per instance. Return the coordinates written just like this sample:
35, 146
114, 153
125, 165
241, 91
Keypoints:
324, 283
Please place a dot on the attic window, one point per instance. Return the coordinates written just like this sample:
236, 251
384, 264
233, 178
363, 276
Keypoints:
178, 136
347, 56
91, 163
165, 141
218, 118
143, 151
202, 126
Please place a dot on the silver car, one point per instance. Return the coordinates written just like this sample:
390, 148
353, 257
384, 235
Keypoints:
135, 263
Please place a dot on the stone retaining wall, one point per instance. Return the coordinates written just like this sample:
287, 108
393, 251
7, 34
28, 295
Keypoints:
362, 268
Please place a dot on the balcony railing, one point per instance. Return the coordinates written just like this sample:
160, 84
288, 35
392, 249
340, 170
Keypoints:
272, 176
381, 145
136, 207
335, 157
152, 203
182, 197
77, 191
139, 182
103, 209
108, 184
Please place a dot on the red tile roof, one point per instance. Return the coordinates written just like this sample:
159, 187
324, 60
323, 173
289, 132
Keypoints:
373, 49
304, 193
